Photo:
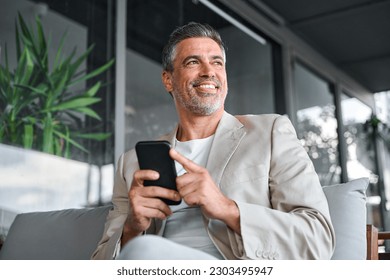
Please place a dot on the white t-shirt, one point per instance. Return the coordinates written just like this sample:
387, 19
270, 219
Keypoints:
185, 226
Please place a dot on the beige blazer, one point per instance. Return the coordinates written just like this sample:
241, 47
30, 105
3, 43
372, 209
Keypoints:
258, 162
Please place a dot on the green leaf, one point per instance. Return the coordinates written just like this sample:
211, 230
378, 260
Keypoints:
21, 67
27, 35
40, 56
41, 35
61, 83
33, 89
27, 68
29, 64
93, 90
94, 73
3, 94
1, 132
28, 136
67, 146
5, 85
80, 60
30, 119
94, 136
59, 51
75, 103
24, 27
28, 38
89, 112
24, 103
65, 65
57, 145
48, 131
71, 141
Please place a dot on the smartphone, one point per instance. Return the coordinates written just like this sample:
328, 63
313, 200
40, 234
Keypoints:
154, 155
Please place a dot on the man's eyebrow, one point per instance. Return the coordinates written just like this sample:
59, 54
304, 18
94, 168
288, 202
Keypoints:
217, 57
191, 57
198, 57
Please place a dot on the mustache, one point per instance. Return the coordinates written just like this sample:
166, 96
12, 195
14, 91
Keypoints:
199, 81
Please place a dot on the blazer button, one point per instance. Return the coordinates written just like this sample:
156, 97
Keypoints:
274, 256
265, 255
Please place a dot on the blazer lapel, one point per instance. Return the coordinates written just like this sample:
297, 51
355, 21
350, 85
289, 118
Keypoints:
228, 136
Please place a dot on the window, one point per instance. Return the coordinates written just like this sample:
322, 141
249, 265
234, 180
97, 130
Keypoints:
317, 124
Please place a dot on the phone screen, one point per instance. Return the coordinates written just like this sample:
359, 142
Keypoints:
154, 155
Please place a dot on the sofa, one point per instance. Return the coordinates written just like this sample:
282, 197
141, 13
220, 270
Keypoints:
73, 234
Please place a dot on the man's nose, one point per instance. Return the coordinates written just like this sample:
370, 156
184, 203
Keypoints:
207, 70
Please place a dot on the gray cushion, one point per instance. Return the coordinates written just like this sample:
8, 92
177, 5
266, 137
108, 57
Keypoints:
347, 206
55, 235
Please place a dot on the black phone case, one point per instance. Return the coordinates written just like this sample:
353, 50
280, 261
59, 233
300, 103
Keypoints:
154, 155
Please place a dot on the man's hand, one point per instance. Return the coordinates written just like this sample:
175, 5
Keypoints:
197, 187
145, 204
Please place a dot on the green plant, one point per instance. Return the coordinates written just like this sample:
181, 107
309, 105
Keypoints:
377, 128
39, 107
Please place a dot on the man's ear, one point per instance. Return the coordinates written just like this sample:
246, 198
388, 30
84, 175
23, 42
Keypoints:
167, 80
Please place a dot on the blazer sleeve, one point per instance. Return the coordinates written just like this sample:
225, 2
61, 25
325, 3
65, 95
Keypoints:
297, 225
109, 245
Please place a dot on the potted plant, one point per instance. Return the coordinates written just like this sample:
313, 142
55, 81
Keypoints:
39, 106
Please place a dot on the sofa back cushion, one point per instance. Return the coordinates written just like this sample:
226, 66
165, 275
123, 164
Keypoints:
55, 235
347, 206
74, 233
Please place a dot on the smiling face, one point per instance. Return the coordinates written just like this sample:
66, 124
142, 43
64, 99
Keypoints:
198, 82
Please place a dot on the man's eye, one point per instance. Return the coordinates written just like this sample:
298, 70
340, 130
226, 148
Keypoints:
220, 63
192, 62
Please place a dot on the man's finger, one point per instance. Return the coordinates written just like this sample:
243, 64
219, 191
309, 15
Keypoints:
156, 191
187, 164
141, 175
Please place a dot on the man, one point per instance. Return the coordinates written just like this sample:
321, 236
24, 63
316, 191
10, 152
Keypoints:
248, 188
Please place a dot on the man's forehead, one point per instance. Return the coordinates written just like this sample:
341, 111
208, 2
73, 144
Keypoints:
197, 46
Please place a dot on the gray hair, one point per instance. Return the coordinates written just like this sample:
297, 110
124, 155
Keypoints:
190, 30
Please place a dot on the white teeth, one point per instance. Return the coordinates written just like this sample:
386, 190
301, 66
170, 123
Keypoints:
207, 86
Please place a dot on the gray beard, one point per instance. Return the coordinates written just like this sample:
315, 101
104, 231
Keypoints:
196, 106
